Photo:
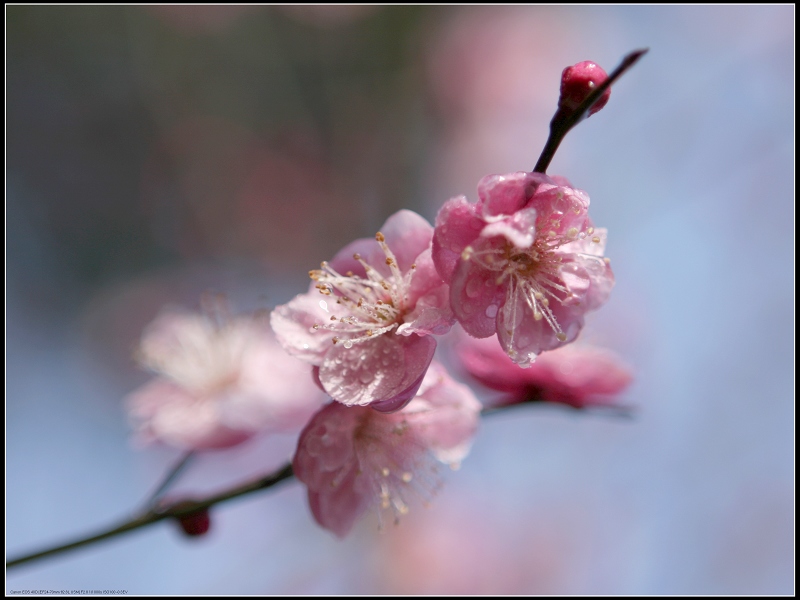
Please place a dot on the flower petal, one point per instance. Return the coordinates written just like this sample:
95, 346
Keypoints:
523, 337
458, 224
406, 233
385, 368
519, 228
293, 324
475, 298
506, 194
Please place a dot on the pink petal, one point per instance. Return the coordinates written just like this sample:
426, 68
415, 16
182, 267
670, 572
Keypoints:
163, 411
580, 375
391, 405
458, 224
325, 446
526, 337
381, 369
506, 194
326, 462
275, 391
339, 508
406, 233
430, 298
560, 209
519, 228
425, 280
293, 324
589, 278
449, 421
575, 374
475, 298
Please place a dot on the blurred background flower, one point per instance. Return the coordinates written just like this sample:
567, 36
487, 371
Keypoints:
157, 152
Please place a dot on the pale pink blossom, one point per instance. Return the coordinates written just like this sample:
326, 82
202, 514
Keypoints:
220, 381
524, 262
353, 458
366, 322
577, 375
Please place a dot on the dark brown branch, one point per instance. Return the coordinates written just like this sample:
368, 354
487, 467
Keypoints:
176, 509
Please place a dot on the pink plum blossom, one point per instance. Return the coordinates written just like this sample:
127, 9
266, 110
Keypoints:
577, 375
352, 458
220, 381
366, 322
524, 262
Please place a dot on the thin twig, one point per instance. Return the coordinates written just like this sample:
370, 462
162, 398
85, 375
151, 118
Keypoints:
170, 477
560, 126
176, 509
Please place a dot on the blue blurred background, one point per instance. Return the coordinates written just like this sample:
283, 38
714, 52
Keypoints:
154, 153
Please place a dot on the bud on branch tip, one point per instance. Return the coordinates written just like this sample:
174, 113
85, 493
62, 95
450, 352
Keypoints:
585, 89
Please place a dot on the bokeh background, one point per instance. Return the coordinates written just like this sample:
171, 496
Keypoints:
154, 153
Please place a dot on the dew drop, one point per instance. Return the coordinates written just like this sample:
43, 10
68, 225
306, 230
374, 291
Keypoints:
323, 305
473, 288
348, 344
491, 311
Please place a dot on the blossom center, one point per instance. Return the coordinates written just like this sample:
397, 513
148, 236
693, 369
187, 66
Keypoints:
396, 464
531, 275
202, 356
372, 305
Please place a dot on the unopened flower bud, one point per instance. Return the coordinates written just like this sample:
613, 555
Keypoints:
578, 81
194, 523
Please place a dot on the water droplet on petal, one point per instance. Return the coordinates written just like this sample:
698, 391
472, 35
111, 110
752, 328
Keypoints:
473, 288
491, 311
348, 344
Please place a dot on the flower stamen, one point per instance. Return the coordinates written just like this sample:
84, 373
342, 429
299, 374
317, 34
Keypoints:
376, 304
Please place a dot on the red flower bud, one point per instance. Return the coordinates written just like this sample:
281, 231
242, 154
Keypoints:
578, 81
194, 523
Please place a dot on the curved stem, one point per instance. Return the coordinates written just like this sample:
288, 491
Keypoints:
154, 515
181, 507
170, 478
